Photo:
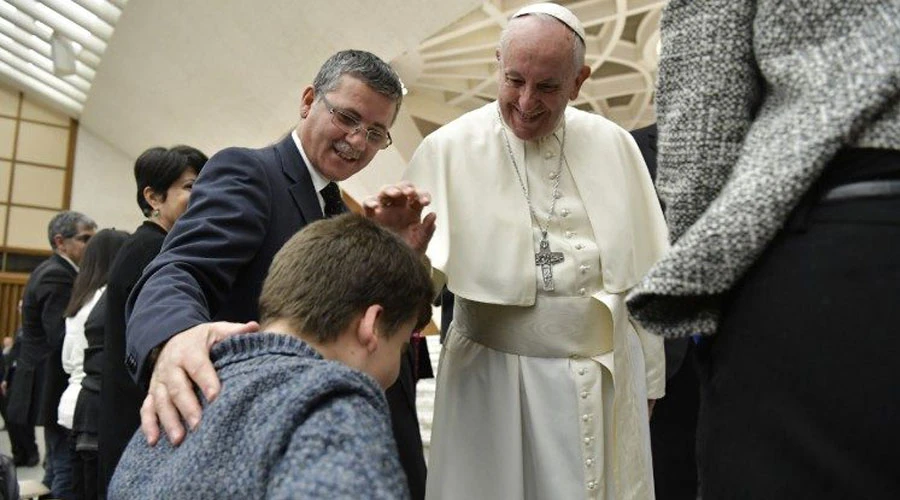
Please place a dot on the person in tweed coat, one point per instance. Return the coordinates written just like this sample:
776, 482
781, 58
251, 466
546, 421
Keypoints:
779, 164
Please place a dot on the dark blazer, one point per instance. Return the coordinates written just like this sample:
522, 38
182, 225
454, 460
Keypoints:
646, 141
40, 379
244, 206
120, 398
87, 408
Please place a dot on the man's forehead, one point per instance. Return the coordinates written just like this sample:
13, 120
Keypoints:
340, 98
552, 75
548, 62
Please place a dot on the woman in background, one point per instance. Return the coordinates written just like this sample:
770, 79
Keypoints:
164, 180
779, 164
87, 289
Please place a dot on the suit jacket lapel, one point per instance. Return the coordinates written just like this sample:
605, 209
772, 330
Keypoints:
302, 190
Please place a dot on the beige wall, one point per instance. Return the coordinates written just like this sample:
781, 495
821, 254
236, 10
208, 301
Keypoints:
36, 180
103, 183
35, 173
34, 170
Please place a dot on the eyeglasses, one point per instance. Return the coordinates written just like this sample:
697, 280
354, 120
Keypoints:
350, 124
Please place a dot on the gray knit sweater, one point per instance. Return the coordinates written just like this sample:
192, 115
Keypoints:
754, 99
287, 424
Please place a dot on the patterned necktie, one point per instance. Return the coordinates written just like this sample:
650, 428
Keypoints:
331, 194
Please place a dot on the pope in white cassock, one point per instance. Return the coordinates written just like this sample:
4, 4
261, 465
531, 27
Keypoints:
546, 217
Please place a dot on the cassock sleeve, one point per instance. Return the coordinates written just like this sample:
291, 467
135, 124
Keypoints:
654, 361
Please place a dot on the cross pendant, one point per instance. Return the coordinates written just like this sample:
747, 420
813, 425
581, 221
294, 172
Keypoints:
546, 259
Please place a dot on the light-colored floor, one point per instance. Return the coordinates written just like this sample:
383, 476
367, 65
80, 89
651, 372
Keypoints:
36, 472
424, 406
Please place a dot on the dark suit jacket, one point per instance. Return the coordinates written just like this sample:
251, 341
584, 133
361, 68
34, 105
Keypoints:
40, 379
244, 206
87, 408
120, 397
646, 141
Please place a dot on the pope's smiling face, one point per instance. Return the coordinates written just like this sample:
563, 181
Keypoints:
538, 75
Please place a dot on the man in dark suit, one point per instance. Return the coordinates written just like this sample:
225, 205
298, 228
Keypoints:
244, 206
21, 437
674, 423
40, 379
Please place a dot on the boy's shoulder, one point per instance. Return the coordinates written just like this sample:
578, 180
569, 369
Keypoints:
274, 363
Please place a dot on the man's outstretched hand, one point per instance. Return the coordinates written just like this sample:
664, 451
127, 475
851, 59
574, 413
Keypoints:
182, 363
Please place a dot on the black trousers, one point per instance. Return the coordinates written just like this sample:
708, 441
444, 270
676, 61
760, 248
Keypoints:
21, 436
673, 433
85, 471
800, 387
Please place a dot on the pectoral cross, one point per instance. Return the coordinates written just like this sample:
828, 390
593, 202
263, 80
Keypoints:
546, 259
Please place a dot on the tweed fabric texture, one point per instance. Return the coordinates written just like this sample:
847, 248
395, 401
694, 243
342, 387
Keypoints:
755, 98
287, 424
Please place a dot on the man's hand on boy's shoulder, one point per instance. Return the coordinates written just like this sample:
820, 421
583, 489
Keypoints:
184, 362
399, 208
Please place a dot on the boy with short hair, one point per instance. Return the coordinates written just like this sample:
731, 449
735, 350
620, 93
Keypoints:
302, 412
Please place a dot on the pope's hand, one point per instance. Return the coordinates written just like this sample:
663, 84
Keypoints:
399, 208
182, 363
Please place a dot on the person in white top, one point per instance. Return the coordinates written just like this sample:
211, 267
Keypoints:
87, 291
546, 218
74, 344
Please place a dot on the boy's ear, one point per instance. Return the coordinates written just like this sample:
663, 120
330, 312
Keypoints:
367, 331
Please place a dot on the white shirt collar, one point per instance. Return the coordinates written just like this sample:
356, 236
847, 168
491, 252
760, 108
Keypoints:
319, 181
69, 261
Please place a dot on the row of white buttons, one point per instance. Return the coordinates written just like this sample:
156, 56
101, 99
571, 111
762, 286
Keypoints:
588, 440
584, 268
571, 234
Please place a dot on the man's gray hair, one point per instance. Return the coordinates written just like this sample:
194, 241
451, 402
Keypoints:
366, 67
578, 48
66, 225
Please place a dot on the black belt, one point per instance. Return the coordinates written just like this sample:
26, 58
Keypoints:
865, 189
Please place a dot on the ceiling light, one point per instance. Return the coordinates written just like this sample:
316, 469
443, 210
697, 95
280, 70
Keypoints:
63, 54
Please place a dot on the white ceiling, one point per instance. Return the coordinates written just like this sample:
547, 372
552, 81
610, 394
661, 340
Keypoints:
52, 47
215, 73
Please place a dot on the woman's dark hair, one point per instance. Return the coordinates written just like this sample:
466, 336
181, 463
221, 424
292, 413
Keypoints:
98, 256
158, 168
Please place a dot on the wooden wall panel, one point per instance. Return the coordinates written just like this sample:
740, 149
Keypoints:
12, 286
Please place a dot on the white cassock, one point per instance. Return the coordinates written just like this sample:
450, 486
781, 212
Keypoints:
541, 394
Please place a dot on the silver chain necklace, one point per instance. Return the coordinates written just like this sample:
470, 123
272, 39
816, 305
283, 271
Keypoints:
544, 258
